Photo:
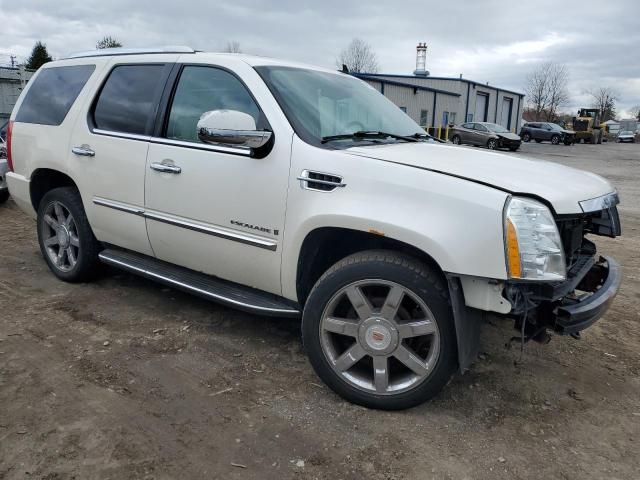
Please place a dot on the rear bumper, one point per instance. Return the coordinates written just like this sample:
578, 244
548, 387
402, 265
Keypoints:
602, 282
19, 187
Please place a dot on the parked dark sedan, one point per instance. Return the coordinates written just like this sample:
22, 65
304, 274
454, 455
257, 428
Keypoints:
485, 134
545, 131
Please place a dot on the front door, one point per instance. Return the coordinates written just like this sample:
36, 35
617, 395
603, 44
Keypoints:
216, 209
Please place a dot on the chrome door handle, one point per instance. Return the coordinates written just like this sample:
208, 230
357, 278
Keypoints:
83, 151
166, 168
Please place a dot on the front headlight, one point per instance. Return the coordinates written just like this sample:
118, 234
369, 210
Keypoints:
533, 247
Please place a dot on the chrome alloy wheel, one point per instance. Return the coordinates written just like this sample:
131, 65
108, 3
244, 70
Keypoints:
60, 234
379, 337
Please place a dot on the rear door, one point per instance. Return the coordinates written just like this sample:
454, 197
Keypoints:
481, 134
466, 132
108, 148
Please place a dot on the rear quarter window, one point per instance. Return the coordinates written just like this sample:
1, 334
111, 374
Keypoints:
52, 94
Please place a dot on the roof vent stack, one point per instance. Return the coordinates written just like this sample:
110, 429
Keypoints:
421, 60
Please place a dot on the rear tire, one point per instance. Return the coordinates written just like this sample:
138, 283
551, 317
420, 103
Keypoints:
355, 329
66, 240
4, 196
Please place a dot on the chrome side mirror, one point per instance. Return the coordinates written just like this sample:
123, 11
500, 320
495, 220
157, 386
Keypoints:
231, 128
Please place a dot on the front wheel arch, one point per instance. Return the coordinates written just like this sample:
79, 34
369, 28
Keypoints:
324, 246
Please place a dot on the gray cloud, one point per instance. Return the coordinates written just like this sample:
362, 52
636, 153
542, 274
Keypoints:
495, 41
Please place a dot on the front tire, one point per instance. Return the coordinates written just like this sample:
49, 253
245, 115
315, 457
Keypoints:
66, 240
455, 140
4, 196
379, 330
526, 137
555, 140
492, 144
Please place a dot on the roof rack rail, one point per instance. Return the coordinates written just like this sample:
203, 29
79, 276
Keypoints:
106, 52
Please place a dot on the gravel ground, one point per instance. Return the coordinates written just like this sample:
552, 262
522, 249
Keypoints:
123, 379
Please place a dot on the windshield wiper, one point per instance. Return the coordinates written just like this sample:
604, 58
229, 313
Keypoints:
426, 135
364, 134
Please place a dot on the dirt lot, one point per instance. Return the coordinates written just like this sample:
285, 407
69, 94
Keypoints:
123, 378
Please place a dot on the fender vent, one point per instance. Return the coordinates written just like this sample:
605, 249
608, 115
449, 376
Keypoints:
323, 182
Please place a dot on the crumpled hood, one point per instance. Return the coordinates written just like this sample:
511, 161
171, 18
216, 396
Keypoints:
563, 187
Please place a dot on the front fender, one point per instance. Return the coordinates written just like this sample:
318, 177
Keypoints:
455, 221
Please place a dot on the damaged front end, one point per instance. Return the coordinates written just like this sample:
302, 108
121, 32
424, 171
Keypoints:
591, 283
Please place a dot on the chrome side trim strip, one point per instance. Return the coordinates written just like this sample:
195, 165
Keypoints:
123, 207
130, 136
252, 240
246, 152
216, 232
192, 288
201, 146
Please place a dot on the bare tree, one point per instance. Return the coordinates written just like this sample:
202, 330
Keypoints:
233, 47
359, 57
546, 90
604, 99
108, 42
635, 112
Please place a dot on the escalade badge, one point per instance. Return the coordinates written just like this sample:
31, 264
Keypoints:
254, 227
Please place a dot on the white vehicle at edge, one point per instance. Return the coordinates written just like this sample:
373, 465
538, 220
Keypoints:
289, 190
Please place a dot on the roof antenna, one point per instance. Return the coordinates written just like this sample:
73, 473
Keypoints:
345, 69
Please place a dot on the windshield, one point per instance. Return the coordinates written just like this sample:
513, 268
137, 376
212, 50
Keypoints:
626, 132
321, 104
494, 127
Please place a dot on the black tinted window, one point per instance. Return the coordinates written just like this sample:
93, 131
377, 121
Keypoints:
52, 94
129, 98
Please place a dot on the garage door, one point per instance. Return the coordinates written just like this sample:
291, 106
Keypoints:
505, 119
481, 107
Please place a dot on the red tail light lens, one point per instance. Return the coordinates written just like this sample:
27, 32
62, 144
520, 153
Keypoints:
8, 142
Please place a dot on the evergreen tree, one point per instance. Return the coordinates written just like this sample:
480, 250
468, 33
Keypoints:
39, 56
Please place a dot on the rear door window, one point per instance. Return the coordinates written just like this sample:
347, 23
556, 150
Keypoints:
129, 99
52, 94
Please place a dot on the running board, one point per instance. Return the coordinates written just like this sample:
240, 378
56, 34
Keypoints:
211, 288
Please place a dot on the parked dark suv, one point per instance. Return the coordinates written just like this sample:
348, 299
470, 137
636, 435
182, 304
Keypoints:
544, 131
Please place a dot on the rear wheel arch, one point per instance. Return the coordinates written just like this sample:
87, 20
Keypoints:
325, 246
44, 180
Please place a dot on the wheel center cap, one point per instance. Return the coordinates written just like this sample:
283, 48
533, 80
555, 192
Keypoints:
63, 236
378, 336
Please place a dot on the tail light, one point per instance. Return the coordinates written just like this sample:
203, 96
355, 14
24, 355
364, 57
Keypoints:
8, 146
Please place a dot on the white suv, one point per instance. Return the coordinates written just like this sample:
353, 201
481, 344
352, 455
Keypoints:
289, 190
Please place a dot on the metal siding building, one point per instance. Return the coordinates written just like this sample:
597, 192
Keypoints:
12, 81
449, 101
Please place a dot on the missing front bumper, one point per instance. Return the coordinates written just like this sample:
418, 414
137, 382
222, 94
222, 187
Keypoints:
600, 284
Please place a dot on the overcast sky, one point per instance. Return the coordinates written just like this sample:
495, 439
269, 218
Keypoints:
487, 41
